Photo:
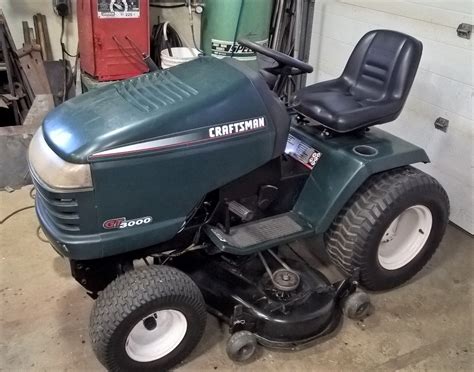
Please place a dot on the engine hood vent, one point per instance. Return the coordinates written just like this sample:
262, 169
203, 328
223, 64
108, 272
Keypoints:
152, 92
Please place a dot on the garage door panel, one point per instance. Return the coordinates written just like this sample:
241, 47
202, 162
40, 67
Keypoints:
427, 30
436, 15
445, 93
448, 61
460, 6
333, 51
463, 200
451, 151
450, 154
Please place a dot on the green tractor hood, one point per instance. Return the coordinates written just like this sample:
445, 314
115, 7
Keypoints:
197, 94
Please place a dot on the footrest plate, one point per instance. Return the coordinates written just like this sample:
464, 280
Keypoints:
261, 234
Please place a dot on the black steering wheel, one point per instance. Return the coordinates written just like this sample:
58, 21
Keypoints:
286, 65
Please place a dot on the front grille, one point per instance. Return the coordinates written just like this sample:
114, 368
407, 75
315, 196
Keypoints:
61, 208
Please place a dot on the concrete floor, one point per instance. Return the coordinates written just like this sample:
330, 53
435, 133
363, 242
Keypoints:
425, 325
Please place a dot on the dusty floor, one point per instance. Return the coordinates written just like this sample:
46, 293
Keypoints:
425, 325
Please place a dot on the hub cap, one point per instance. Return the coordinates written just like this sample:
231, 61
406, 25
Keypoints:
405, 237
156, 335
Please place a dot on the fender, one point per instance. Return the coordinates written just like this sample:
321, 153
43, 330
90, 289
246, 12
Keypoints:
341, 169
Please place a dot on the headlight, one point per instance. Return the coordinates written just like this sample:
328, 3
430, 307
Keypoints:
53, 171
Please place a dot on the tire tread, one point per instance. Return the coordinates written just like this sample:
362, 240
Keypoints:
345, 239
130, 291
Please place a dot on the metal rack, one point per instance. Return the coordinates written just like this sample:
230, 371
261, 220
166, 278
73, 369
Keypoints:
16, 94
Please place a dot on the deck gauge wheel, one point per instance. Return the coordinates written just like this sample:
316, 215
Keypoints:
241, 346
357, 305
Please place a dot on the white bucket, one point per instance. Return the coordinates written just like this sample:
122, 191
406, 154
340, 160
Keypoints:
180, 55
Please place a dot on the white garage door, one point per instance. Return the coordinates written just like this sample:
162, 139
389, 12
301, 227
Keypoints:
443, 86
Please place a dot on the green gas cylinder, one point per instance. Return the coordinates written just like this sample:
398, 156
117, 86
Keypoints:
226, 21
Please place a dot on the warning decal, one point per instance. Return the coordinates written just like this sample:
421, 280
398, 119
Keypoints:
300, 151
118, 8
227, 48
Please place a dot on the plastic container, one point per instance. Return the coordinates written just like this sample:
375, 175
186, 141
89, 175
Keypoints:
180, 55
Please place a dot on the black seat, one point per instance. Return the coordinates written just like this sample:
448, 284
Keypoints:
373, 87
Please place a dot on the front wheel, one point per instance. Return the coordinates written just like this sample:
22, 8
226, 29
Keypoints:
390, 228
147, 319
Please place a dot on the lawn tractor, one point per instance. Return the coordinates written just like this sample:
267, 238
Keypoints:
174, 194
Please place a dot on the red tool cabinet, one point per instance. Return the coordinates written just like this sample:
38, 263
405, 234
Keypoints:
112, 36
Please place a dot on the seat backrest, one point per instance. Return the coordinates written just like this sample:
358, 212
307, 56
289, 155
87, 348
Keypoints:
383, 66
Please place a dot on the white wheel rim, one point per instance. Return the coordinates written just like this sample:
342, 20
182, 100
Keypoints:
405, 237
165, 334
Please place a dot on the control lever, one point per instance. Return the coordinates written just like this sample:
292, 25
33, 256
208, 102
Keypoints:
241, 211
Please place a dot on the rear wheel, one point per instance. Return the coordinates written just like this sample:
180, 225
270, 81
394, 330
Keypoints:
147, 319
390, 228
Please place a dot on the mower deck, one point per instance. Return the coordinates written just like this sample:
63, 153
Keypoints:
242, 294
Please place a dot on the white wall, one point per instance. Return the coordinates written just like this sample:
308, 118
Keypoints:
443, 86
17, 11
